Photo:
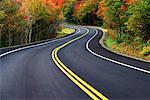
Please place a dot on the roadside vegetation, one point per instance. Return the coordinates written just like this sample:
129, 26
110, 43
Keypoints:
25, 21
64, 32
127, 22
133, 34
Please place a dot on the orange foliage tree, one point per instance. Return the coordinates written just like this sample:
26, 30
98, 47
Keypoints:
34, 10
85, 11
129, 2
101, 9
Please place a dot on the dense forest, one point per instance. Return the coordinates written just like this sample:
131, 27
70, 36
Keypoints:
25, 21
127, 21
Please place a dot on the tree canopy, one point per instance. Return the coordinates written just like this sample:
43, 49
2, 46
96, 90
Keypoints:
25, 17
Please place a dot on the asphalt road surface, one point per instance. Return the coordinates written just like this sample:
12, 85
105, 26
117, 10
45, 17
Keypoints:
33, 73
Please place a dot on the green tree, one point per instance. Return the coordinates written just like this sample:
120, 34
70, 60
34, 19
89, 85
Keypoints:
139, 19
113, 14
68, 10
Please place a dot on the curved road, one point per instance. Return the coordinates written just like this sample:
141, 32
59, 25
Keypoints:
65, 69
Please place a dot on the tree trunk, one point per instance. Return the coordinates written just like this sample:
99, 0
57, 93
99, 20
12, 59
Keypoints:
26, 35
9, 40
30, 34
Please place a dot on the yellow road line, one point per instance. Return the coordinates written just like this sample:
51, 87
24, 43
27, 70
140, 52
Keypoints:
73, 79
72, 76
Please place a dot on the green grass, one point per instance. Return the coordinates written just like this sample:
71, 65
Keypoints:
109, 42
64, 32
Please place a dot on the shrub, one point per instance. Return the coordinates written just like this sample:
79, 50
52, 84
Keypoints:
138, 21
122, 38
145, 51
109, 42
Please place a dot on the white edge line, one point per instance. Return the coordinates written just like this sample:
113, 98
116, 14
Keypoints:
41, 44
111, 60
102, 44
87, 47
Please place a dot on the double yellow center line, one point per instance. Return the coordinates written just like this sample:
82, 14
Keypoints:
89, 90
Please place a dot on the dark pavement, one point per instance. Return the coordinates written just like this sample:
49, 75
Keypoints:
32, 75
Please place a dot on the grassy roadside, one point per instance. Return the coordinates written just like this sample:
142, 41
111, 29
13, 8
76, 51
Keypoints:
109, 42
64, 31
128, 46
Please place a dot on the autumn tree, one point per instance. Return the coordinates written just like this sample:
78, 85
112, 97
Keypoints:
85, 11
81, 11
22, 19
11, 23
36, 10
32, 10
2, 17
102, 10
